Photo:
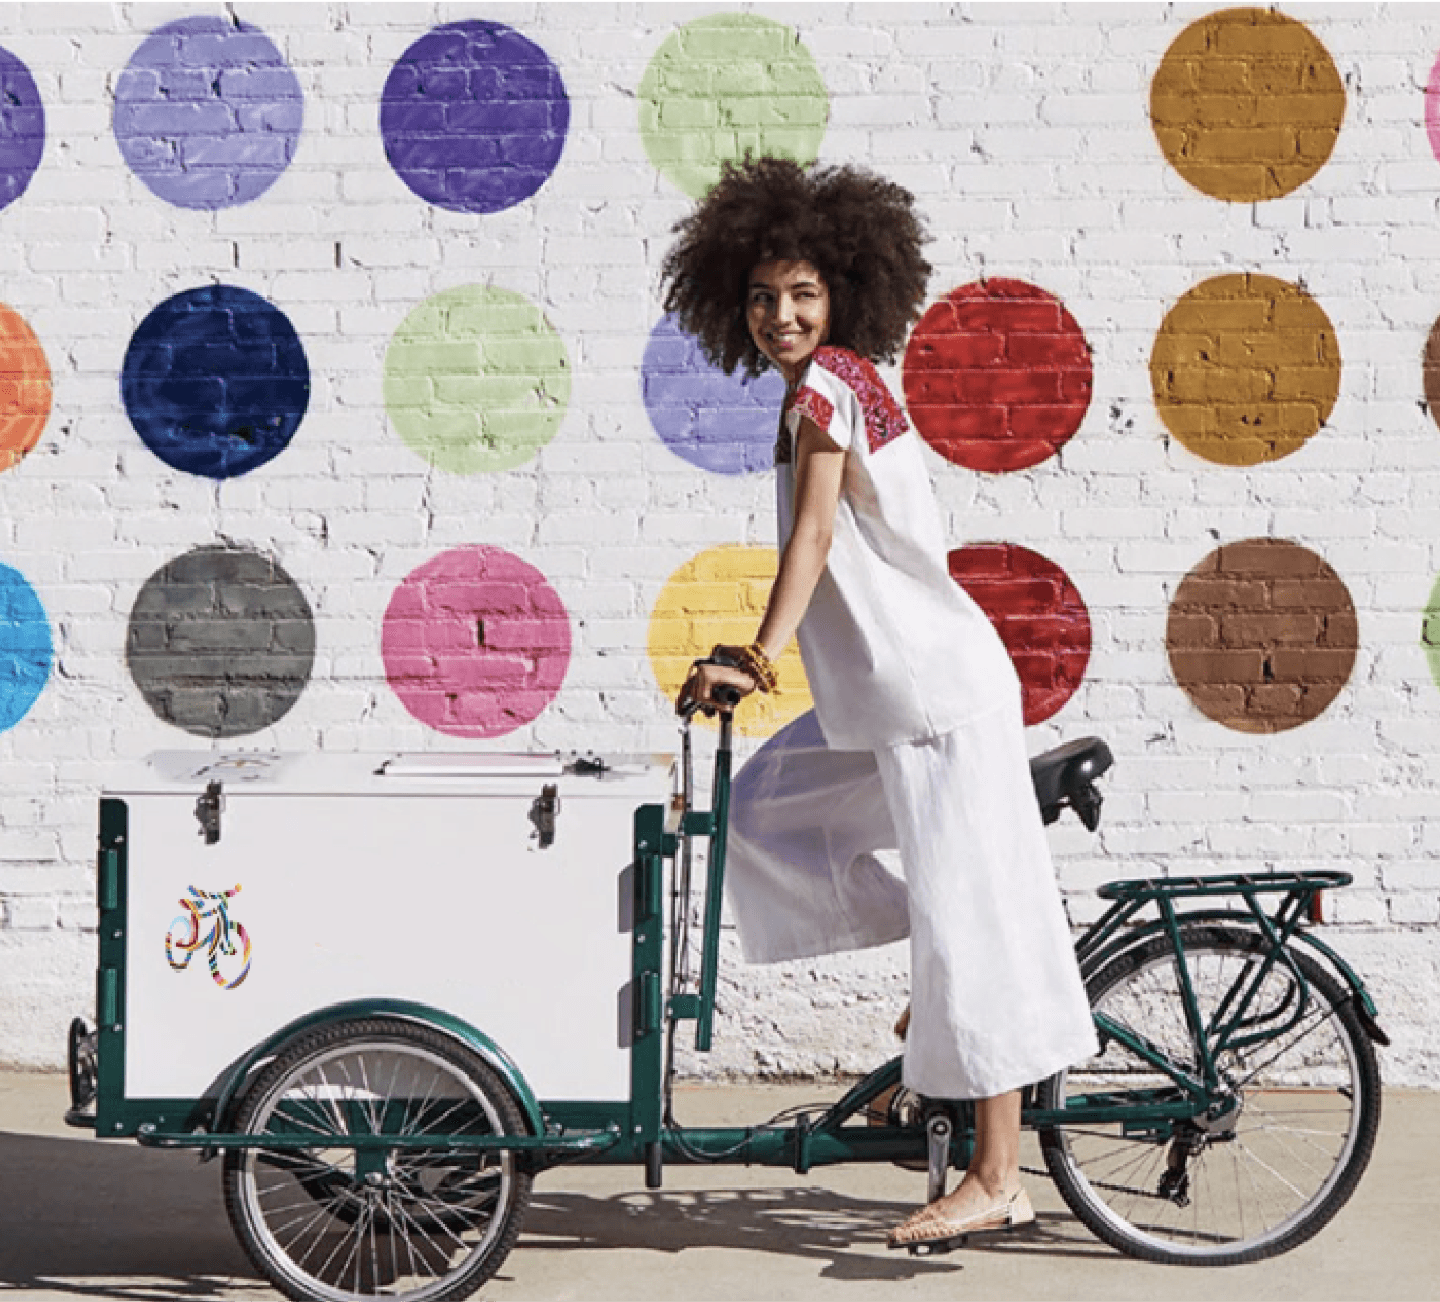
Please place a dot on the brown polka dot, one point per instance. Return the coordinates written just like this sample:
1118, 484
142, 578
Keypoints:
1262, 635
1247, 104
1245, 368
1432, 372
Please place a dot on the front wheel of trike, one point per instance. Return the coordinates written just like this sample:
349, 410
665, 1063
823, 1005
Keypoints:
322, 1221
1291, 1122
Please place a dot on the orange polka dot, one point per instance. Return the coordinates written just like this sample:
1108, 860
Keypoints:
24, 388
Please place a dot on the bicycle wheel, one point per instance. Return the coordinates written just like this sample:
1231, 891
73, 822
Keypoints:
188, 938
1276, 1158
336, 1223
234, 957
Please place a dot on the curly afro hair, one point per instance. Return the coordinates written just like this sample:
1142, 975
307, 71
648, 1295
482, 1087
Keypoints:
857, 229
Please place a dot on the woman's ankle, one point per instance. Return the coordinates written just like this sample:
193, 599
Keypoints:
995, 1182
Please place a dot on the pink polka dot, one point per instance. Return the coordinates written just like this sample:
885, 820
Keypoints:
475, 642
1432, 109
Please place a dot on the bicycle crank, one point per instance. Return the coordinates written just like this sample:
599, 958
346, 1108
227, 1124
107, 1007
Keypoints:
938, 1129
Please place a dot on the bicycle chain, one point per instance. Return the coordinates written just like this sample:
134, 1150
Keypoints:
1103, 1184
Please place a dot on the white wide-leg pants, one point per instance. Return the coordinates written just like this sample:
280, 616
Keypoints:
996, 997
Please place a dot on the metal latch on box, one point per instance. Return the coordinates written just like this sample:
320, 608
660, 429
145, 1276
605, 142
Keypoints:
207, 813
543, 812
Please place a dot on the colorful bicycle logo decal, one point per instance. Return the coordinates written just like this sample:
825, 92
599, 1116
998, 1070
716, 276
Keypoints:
219, 937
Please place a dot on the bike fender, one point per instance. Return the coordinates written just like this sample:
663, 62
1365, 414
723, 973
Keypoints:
1347, 973
1094, 962
234, 1080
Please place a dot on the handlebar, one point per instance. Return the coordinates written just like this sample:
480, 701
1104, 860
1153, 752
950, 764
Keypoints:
727, 697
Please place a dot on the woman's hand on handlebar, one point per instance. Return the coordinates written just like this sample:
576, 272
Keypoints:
705, 679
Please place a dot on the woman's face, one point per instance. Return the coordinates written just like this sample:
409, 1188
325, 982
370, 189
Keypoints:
787, 308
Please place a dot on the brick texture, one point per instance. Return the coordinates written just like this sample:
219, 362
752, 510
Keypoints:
1026, 133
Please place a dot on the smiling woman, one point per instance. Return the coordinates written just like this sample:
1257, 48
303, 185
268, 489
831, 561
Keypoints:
859, 231
916, 740
788, 311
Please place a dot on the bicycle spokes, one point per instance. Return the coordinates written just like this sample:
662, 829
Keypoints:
1275, 1140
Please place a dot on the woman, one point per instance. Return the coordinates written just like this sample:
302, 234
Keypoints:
916, 740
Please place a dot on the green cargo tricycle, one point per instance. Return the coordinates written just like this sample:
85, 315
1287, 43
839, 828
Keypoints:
383, 1143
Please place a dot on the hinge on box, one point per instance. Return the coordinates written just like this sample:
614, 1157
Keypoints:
543, 811
207, 813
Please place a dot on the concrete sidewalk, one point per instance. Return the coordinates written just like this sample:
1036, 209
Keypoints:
84, 1218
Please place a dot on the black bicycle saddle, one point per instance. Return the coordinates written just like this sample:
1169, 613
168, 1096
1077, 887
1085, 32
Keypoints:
1066, 776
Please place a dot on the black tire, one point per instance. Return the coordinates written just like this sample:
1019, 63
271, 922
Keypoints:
339, 1223
1257, 1182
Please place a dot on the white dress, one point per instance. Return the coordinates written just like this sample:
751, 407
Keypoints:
916, 743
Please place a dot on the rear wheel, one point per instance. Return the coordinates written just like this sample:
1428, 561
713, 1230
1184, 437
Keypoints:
336, 1223
1286, 1142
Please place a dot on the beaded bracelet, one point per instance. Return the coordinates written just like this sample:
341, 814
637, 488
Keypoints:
750, 660
759, 666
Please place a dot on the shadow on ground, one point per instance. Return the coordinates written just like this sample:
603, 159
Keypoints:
79, 1209
844, 1232
90, 1219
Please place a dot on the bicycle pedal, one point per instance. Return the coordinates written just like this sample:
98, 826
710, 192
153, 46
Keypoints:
937, 1247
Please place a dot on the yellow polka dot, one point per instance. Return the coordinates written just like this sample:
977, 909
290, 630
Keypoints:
1245, 369
719, 596
1247, 104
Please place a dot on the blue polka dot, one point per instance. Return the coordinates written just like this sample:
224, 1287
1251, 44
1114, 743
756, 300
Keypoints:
719, 422
26, 651
215, 381
474, 117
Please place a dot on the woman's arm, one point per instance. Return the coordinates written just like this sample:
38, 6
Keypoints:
819, 471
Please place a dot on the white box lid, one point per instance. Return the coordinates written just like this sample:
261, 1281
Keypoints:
463, 773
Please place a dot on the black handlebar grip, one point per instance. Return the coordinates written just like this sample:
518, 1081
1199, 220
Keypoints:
727, 696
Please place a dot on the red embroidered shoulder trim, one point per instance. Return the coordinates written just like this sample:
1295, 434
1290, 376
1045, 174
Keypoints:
814, 404
808, 402
884, 421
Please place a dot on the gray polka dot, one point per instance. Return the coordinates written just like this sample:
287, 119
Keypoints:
221, 642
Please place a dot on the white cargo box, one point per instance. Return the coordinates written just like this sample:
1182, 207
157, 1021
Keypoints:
422, 877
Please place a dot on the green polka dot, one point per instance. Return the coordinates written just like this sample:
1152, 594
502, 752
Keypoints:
1430, 633
724, 86
476, 380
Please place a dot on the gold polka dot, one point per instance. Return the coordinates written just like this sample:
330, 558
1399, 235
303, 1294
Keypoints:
1247, 104
1245, 369
719, 595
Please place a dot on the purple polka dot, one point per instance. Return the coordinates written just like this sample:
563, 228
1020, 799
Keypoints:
475, 642
725, 423
474, 117
22, 128
208, 113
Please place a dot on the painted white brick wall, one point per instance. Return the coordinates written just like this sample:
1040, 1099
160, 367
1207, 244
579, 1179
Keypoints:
1024, 131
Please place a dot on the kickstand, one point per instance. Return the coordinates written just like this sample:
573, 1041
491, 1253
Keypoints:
938, 1129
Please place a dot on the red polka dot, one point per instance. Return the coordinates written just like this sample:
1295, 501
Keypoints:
997, 376
476, 642
1039, 615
